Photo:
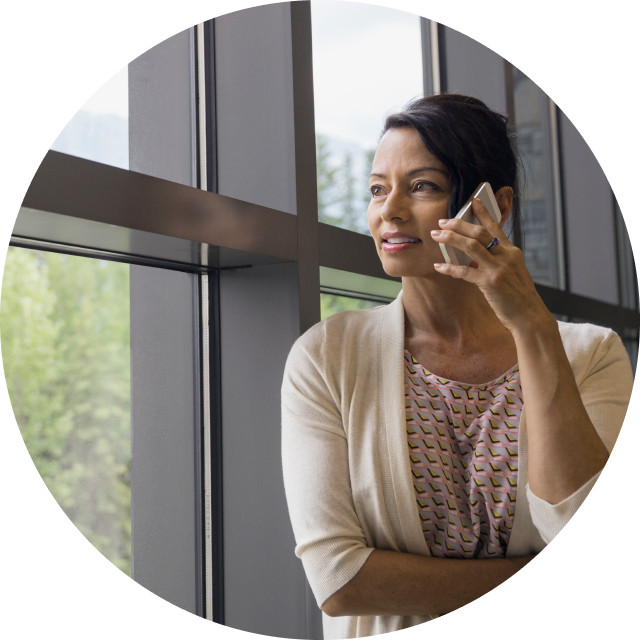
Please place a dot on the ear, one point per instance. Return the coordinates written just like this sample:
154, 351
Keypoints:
504, 198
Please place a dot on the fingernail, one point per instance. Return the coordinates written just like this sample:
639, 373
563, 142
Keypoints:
438, 265
443, 221
435, 232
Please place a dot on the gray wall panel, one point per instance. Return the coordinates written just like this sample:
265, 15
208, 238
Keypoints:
473, 69
589, 219
266, 156
254, 104
264, 581
162, 111
165, 343
164, 415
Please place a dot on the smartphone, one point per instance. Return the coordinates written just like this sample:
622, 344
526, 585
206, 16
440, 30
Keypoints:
455, 256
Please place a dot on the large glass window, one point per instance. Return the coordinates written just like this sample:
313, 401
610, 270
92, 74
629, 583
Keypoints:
367, 62
64, 322
537, 200
100, 129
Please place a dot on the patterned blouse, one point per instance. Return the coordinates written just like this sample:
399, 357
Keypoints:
463, 447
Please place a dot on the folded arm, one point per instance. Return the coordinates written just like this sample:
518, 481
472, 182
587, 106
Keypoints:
394, 583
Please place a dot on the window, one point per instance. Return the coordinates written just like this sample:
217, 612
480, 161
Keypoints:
181, 304
538, 209
65, 345
343, 291
367, 61
100, 129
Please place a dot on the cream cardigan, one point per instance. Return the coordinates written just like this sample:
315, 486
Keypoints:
345, 454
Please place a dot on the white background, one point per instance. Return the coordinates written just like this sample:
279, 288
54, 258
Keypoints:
57, 54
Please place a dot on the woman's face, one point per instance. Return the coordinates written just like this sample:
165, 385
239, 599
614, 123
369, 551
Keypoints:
410, 191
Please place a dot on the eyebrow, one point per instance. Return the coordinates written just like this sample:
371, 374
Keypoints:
413, 171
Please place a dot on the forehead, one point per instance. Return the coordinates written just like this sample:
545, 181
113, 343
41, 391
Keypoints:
403, 149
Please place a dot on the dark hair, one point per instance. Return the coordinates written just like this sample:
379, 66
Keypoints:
472, 141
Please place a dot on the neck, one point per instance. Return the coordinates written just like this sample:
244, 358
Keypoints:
451, 310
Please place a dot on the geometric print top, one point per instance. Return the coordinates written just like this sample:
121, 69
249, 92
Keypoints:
463, 447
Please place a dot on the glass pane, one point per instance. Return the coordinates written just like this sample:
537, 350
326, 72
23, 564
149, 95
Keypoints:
331, 304
100, 130
64, 322
347, 281
537, 202
630, 340
367, 62
626, 264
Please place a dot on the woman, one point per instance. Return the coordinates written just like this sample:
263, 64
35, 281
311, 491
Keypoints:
413, 480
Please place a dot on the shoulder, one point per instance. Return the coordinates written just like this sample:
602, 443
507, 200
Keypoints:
330, 345
345, 327
590, 347
579, 336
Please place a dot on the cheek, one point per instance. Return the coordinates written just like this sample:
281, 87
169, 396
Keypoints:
372, 218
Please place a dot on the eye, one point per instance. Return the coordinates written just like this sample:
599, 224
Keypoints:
425, 186
376, 190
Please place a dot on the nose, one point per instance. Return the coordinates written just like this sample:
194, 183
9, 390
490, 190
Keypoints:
396, 206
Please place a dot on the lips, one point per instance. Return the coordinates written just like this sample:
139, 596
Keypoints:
398, 235
396, 242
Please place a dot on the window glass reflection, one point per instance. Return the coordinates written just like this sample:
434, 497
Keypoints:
64, 322
537, 202
367, 61
99, 131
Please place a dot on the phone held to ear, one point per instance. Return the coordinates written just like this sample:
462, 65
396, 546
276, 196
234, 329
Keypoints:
485, 193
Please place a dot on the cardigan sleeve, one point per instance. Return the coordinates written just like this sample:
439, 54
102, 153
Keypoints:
329, 539
605, 393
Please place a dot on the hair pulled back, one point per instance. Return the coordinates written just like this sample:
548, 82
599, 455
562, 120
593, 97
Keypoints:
471, 140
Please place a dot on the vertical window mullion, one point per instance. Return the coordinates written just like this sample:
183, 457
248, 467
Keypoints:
212, 530
556, 168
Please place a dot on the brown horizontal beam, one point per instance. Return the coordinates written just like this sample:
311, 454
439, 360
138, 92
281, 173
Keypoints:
80, 188
97, 193
581, 308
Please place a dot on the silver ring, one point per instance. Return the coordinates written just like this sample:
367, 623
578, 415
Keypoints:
492, 244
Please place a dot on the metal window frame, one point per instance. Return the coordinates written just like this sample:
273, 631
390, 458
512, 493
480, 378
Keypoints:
558, 198
80, 191
212, 458
434, 64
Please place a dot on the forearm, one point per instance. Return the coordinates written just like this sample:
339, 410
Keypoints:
564, 448
394, 583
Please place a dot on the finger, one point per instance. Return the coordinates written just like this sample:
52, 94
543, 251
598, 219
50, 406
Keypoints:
475, 250
468, 273
486, 220
469, 230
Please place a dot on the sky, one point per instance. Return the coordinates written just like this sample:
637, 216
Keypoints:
367, 61
112, 97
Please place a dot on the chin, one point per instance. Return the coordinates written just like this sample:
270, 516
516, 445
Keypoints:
397, 270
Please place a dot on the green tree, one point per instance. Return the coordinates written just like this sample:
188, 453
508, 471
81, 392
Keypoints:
328, 182
331, 304
339, 202
64, 324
